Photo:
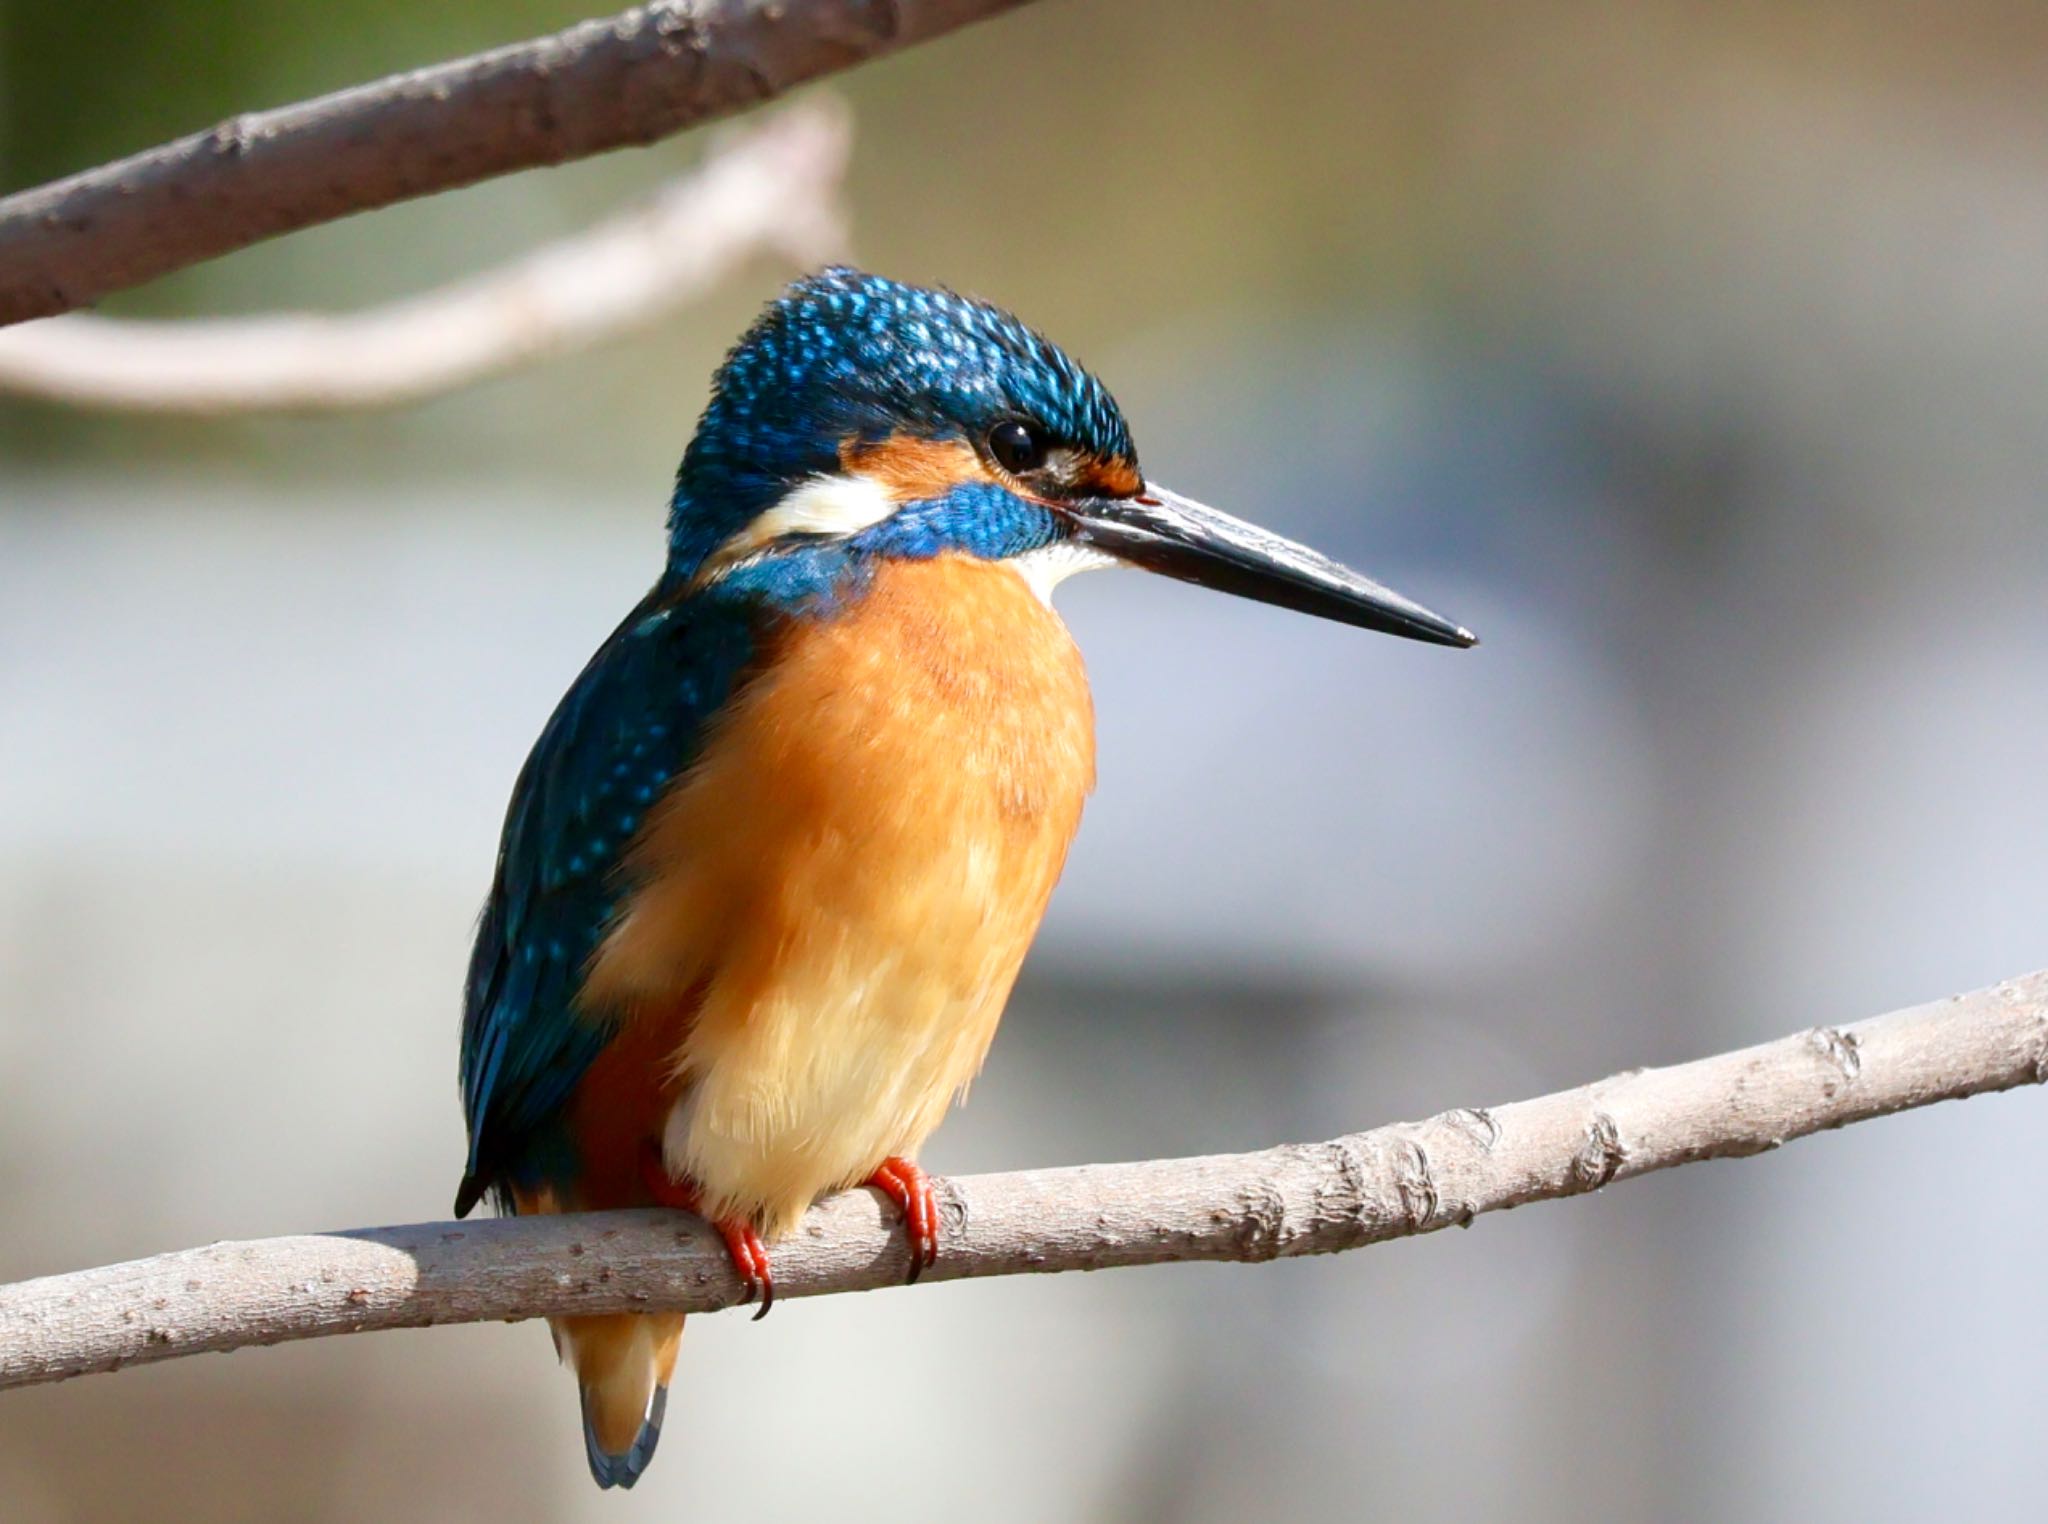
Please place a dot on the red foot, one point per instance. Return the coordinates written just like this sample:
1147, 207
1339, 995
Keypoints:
742, 1244
911, 1189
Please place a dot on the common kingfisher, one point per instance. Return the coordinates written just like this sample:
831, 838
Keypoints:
769, 873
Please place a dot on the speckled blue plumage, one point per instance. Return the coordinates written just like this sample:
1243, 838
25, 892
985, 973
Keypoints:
848, 356
841, 357
627, 726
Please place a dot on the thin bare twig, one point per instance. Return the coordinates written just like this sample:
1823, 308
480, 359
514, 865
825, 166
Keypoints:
609, 83
1303, 1199
772, 187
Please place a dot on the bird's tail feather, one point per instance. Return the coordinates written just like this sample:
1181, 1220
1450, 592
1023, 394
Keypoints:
622, 1365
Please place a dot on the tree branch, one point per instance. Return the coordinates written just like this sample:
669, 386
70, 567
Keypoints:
1314, 1198
772, 187
609, 83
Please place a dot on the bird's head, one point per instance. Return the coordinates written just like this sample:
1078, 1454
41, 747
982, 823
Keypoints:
861, 419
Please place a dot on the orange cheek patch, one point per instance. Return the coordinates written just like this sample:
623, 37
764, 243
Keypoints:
1103, 477
914, 470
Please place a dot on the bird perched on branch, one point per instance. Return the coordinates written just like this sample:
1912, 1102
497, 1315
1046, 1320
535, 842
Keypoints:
771, 869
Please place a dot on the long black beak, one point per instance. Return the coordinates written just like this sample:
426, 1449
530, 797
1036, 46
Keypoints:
1164, 532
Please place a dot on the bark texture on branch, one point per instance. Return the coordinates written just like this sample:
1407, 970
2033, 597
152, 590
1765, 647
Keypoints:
609, 83
1313, 1198
772, 187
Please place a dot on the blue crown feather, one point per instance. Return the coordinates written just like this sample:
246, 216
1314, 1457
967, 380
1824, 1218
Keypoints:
844, 355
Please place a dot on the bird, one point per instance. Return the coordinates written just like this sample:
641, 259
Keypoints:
769, 873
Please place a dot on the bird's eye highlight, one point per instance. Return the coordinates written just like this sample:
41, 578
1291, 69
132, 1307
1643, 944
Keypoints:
1017, 447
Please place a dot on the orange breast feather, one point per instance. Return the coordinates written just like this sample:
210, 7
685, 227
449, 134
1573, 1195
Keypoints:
845, 885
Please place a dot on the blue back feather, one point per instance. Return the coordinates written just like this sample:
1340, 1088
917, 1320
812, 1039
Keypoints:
628, 725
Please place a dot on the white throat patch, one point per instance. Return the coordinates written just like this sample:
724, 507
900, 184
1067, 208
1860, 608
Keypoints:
824, 506
1048, 566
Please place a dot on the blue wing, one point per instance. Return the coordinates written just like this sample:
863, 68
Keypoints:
629, 724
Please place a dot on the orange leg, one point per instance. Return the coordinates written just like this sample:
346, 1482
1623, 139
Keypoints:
911, 1189
742, 1244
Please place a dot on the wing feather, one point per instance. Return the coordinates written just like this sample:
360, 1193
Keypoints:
632, 721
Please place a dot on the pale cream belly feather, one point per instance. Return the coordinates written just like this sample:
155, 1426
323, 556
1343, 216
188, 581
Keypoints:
849, 879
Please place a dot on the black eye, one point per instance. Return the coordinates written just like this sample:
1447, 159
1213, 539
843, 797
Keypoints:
1017, 447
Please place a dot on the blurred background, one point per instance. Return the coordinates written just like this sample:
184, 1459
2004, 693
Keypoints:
1695, 354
